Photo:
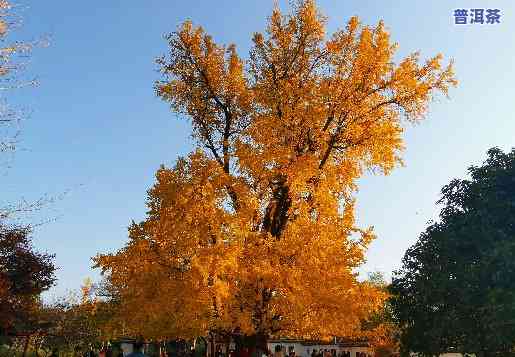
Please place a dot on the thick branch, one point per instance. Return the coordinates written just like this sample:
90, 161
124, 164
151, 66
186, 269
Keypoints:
224, 161
276, 213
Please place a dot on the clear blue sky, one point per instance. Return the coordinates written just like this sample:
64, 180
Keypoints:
97, 128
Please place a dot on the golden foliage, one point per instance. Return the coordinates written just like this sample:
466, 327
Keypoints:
254, 231
9, 64
13, 56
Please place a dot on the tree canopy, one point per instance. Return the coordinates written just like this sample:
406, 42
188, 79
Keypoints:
456, 288
24, 275
254, 233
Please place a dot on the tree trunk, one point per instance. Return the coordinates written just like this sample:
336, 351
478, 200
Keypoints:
227, 345
212, 344
276, 213
262, 344
26, 346
257, 344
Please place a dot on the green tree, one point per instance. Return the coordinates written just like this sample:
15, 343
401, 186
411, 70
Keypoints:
382, 321
456, 288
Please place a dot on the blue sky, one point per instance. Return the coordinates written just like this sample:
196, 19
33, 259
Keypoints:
97, 129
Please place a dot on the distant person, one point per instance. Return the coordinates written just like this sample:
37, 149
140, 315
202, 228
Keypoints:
244, 352
89, 353
138, 350
218, 352
278, 351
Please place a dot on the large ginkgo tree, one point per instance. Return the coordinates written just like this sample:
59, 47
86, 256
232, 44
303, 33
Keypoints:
253, 233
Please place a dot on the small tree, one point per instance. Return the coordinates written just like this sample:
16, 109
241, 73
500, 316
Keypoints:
78, 321
24, 275
456, 288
